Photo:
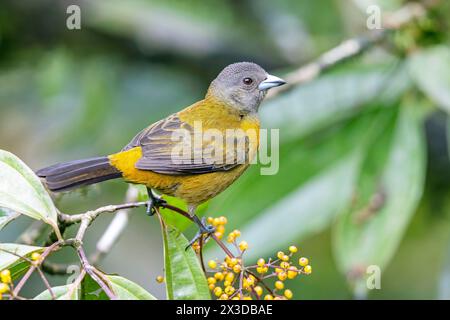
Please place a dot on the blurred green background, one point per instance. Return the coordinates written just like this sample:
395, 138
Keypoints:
364, 159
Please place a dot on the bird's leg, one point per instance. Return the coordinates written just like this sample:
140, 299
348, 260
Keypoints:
204, 229
154, 201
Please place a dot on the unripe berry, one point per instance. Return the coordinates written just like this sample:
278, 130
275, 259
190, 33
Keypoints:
279, 285
237, 233
210, 220
291, 274
35, 256
212, 280
268, 297
231, 238
288, 294
293, 249
223, 220
3, 288
229, 277
229, 290
5, 276
160, 279
223, 297
212, 264
217, 291
280, 254
282, 276
261, 262
284, 265
237, 268
211, 286
258, 290
243, 245
303, 261
219, 276
307, 269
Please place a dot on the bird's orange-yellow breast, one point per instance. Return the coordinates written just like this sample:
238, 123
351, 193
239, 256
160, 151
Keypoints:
195, 188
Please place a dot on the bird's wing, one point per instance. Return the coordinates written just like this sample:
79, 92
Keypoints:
169, 147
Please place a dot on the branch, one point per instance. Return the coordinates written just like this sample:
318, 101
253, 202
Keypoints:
353, 47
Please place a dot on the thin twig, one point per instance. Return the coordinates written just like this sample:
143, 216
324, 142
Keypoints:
33, 267
352, 47
93, 273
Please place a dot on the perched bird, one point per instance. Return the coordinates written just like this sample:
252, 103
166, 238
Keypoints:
231, 102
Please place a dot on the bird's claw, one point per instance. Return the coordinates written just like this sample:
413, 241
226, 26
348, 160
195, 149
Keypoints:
204, 230
153, 203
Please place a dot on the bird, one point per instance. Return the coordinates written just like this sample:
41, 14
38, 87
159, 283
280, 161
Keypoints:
201, 170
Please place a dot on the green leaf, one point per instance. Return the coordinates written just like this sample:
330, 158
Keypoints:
22, 191
60, 292
300, 111
123, 288
13, 262
430, 69
303, 212
184, 276
128, 290
389, 188
448, 135
6, 216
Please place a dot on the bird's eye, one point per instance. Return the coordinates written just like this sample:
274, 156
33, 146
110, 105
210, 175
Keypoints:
248, 81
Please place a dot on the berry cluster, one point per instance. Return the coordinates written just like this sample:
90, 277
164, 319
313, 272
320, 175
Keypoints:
6, 284
231, 280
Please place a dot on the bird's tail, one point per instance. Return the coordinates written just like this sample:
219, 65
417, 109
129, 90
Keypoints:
74, 174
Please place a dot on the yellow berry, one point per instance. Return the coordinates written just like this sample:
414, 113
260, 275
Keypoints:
303, 261
280, 254
288, 294
236, 233
223, 220
293, 249
212, 280
268, 297
211, 286
285, 258
216, 222
217, 291
210, 220
261, 262
258, 290
35, 256
247, 298
233, 262
223, 297
230, 238
291, 274
219, 276
229, 277
219, 235
229, 290
279, 285
278, 270
5, 276
243, 245
212, 264
307, 269
3, 288
282, 276
237, 268
284, 265
160, 279
261, 270
235, 298
250, 281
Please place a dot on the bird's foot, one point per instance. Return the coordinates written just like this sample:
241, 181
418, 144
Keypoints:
153, 203
205, 231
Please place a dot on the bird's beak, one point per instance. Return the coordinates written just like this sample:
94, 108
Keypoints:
271, 82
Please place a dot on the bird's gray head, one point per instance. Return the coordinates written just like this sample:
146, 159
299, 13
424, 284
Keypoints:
243, 86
